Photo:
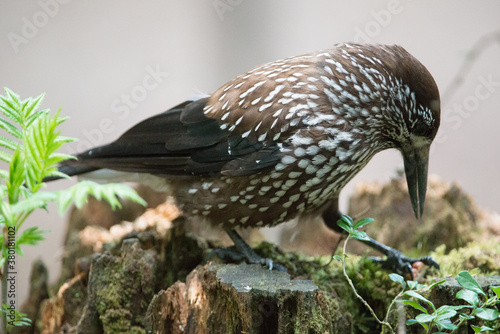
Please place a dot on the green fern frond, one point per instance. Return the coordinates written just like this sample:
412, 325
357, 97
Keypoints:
111, 192
30, 114
36, 201
13, 97
30, 142
8, 143
10, 129
10, 106
16, 176
6, 157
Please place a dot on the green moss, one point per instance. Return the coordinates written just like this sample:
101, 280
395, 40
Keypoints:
122, 287
373, 283
477, 257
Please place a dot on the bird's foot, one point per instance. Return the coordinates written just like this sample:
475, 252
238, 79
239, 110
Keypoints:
233, 254
242, 251
398, 262
401, 264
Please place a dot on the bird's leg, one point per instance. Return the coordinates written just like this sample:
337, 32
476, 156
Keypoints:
243, 250
395, 261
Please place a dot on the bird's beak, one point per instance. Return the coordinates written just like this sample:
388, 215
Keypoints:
416, 161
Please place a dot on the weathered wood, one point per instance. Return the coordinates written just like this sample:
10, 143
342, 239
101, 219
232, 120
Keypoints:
243, 299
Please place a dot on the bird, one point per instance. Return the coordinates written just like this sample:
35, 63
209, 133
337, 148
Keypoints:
281, 140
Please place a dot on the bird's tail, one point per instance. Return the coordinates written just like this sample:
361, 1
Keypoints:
70, 170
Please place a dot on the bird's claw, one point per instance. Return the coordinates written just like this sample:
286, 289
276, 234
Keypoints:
232, 254
247, 253
269, 263
401, 264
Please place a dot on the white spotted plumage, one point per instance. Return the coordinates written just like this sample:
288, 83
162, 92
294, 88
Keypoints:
329, 112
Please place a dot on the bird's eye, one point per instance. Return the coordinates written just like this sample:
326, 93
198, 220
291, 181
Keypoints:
420, 128
424, 125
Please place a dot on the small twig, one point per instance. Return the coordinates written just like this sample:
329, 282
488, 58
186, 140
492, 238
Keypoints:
382, 322
333, 252
386, 319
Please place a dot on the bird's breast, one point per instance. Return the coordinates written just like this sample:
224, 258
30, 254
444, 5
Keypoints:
309, 174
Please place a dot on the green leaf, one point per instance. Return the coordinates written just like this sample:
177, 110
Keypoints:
398, 278
11, 106
418, 296
445, 312
10, 129
459, 307
64, 200
359, 235
468, 282
63, 139
16, 176
410, 322
13, 97
487, 314
414, 285
110, 192
464, 316
445, 324
20, 319
30, 236
8, 143
424, 318
9, 109
414, 304
469, 296
480, 329
8, 217
338, 258
56, 173
436, 283
38, 200
496, 290
362, 222
413, 321
345, 223
29, 110
56, 158
5, 157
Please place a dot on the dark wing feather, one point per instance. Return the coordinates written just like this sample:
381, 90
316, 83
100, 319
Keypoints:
180, 142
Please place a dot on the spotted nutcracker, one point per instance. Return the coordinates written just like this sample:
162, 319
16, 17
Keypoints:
281, 140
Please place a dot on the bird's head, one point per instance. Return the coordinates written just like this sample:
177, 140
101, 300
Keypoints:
414, 110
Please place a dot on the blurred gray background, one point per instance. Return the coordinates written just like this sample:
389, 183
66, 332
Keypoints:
110, 64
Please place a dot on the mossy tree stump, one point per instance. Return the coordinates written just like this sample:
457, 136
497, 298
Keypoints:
243, 299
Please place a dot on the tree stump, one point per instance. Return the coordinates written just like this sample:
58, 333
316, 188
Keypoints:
243, 299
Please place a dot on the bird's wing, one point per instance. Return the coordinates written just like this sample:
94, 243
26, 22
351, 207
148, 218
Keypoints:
180, 142
269, 102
